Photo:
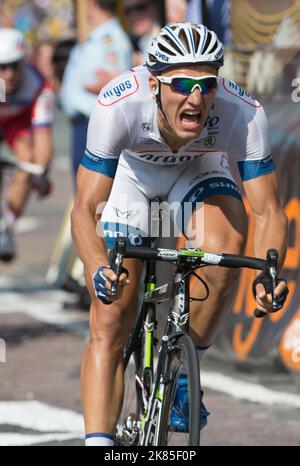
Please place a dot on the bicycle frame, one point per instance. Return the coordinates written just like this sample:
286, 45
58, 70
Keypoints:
151, 394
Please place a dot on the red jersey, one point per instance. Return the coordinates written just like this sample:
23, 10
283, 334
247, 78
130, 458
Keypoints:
30, 107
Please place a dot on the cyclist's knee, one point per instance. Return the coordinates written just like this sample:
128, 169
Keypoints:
110, 325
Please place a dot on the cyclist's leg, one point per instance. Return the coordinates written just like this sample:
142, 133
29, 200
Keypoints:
102, 367
126, 214
206, 317
223, 222
219, 225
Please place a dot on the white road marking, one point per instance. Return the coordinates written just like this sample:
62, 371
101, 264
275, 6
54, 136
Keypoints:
44, 306
18, 440
40, 416
247, 390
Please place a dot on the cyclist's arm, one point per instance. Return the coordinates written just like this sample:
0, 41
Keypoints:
271, 225
42, 146
93, 189
107, 137
42, 120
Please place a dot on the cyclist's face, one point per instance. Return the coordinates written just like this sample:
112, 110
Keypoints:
187, 113
11, 74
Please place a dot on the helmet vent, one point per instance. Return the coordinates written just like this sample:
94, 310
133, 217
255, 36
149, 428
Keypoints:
165, 50
173, 45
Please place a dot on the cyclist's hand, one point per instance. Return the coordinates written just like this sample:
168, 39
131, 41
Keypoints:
102, 281
264, 299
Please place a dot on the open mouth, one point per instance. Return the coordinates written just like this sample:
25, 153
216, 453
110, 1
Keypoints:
190, 119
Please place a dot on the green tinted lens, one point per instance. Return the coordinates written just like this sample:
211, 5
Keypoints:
186, 85
183, 85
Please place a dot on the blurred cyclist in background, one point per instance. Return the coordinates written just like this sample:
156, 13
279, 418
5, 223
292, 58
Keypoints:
26, 118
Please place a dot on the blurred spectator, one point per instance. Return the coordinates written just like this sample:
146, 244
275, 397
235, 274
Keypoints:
43, 60
194, 12
143, 19
105, 54
215, 14
60, 59
176, 10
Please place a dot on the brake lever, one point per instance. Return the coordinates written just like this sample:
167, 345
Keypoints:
116, 261
270, 282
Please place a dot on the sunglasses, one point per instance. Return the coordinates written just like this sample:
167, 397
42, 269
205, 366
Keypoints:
137, 8
13, 66
186, 85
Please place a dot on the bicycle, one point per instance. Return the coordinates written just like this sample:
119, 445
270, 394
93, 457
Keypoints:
150, 388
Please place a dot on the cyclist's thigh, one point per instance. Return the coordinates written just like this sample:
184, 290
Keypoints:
211, 203
127, 212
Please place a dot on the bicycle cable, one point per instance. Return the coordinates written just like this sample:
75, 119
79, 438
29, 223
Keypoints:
192, 272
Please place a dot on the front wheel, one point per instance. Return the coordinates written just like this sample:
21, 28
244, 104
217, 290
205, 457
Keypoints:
182, 373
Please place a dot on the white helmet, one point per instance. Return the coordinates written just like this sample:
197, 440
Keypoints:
184, 44
12, 46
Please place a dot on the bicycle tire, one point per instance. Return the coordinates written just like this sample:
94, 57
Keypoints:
181, 354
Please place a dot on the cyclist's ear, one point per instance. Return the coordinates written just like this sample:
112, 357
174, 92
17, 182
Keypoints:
153, 85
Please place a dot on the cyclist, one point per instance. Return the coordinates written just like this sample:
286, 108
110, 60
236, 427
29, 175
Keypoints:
176, 126
25, 124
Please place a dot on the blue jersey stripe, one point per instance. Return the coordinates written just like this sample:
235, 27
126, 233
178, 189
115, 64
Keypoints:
254, 168
107, 167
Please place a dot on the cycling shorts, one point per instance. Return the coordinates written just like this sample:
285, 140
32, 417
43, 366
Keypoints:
132, 210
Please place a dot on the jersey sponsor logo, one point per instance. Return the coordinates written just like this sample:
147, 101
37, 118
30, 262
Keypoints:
124, 215
224, 162
213, 123
210, 141
148, 142
94, 158
161, 56
146, 126
168, 159
235, 89
119, 91
224, 184
134, 239
210, 188
209, 173
212, 126
267, 160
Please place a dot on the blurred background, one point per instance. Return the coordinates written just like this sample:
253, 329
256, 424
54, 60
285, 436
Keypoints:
252, 374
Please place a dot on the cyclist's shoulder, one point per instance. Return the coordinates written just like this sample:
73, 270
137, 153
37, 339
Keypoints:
130, 87
231, 94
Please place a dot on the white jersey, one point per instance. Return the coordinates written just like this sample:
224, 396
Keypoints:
125, 119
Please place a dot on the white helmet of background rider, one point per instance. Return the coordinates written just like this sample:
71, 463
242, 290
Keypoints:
184, 44
12, 47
